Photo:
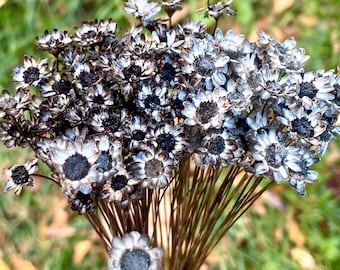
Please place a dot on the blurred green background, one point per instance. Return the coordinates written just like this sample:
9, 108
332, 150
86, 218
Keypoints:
282, 231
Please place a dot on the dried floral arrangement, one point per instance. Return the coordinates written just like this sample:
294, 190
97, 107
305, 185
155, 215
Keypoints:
155, 135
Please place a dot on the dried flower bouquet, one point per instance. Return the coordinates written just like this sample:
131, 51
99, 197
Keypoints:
164, 136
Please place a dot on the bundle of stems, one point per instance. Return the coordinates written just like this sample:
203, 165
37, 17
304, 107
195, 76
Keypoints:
189, 217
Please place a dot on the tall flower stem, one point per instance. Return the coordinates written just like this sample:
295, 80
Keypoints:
204, 204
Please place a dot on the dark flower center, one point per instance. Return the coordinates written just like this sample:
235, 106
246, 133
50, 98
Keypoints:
31, 75
135, 259
132, 70
105, 161
337, 94
89, 35
304, 167
62, 87
154, 168
307, 89
138, 135
235, 55
82, 202
206, 111
204, 65
20, 175
83, 198
98, 99
118, 182
216, 146
330, 118
86, 78
76, 167
275, 155
325, 137
303, 127
168, 72
177, 105
152, 101
112, 123
167, 142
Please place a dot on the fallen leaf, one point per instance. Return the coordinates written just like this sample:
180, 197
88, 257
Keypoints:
308, 20
3, 265
303, 258
259, 208
55, 231
294, 233
80, 250
281, 5
20, 263
278, 234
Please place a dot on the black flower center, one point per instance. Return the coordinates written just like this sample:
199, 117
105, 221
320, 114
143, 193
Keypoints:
337, 94
166, 141
177, 105
62, 87
138, 135
206, 111
76, 167
20, 175
132, 70
112, 123
304, 167
168, 72
235, 55
118, 182
82, 202
105, 161
307, 89
325, 137
303, 127
89, 35
275, 155
98, 99
86, 78
154, 168
216, 146
152, 101
204, 65
31, 75
135, 259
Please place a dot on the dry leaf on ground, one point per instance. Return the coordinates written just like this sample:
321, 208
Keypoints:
20, 263
303, 258
80, 250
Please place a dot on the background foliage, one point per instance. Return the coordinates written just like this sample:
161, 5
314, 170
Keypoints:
282, 231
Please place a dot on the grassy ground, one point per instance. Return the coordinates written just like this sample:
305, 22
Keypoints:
283, 231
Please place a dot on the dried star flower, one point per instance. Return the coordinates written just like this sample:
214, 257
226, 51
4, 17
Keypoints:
73, 162
21, 175
152, 166
171, 6
133, 252
53, 42
31, 73
206, 109
10, 105
89, 33
218, 9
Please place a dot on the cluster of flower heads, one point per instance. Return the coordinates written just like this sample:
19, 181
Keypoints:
112, 116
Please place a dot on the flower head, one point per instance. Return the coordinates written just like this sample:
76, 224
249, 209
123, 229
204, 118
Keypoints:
31, 73
133, 252
21, 175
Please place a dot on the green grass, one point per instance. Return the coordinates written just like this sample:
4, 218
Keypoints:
26, 222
